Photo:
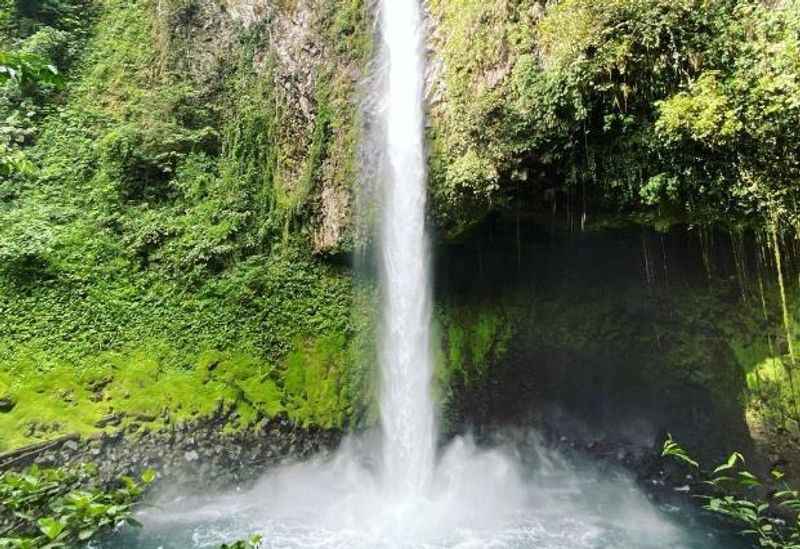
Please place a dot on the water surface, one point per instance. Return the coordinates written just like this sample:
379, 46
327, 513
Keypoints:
478, 499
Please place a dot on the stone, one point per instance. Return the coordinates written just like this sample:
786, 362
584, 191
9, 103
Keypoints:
7, 403
183, 453
71, 445
109, 420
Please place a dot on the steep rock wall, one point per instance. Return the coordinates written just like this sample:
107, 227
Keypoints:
313, 54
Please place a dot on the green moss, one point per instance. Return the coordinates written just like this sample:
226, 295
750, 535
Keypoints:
53, 400
455, 347
760, 348
473, 338
313, 382
135, 384
491, 335
360, 381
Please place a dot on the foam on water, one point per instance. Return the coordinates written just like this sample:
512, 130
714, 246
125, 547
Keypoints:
477, 498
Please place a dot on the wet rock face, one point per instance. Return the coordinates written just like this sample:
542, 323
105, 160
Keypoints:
599, 352
199, 38
195, 456
290, 48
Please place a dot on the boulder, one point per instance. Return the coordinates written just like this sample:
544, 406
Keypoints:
7, 403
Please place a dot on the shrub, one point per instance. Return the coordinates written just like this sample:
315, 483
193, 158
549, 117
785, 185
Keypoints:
734, 494
50, 508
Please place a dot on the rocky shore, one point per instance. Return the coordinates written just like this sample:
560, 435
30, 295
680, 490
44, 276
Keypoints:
197, 455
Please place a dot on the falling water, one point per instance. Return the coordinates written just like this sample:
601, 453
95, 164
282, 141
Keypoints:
407, 416
518, 496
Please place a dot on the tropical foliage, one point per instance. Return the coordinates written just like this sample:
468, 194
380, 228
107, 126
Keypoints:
737, 494
162, 193
25, 68
49, 508
156, 196
670, 111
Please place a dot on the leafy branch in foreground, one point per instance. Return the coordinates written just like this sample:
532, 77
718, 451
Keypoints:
735, 494
49, 508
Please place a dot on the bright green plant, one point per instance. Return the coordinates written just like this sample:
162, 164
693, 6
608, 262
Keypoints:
49, 508
734, 494
254, 542
12, 161
27, 68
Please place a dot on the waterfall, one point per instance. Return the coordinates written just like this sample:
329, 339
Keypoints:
468, 497
406, 364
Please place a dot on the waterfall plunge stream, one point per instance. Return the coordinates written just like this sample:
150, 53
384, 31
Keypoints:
520, 496
405, 357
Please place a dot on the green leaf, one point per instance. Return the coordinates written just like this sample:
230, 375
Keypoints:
86, 534
673, 449
128, 482
730, 464
28, 67
97, 509
50, 527
748, 479
148, 476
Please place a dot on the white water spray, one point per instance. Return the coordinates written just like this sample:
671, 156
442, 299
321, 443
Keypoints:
407, 415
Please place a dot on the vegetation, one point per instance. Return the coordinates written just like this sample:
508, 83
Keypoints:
475, 336
26, 68
679, 116
666, 111
151, 227
176, 208
253, 543
737, 494
116, 389
48, 508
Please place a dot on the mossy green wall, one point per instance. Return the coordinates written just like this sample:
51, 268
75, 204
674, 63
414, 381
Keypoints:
157, 261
